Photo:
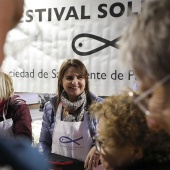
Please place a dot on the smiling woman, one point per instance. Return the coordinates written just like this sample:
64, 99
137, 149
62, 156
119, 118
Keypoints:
67, 128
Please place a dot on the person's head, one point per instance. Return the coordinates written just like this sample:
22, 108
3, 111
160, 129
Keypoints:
122, 131
145, 47
73, 79
6, 86
10, 14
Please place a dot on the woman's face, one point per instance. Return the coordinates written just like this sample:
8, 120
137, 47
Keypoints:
112, 156
158, 103
115, 158
73, 83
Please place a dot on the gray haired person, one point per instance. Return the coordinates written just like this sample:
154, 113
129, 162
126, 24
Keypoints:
145, 48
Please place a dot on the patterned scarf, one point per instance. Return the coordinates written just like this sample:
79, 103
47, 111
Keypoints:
77, 107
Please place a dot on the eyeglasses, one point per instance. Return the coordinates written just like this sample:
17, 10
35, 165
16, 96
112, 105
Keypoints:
142, 99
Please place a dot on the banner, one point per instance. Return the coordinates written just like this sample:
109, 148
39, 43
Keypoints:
52, 31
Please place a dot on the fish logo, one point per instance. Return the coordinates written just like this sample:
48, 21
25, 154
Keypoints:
79, 39
65, 139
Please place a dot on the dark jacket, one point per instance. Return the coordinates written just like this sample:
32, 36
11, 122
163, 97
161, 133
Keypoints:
18, 110
149, 165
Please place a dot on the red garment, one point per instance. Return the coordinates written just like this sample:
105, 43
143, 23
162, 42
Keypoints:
1, 107
18, 110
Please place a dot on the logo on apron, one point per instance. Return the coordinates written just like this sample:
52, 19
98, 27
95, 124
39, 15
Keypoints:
65, 139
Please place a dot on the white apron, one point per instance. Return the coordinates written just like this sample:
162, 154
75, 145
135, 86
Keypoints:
6, 126
71, 139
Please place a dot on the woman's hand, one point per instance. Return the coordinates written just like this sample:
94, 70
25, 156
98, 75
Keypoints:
92, 159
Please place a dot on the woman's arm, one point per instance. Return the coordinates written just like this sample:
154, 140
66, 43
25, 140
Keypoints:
92, 159
21, 121
45, 140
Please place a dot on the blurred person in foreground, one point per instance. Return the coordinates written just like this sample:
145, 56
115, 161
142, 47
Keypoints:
16, 153
10, 14
15, 117
145, 48
124, 140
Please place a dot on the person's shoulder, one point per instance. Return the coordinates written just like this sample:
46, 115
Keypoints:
96, 98
52, 100
16, 100
15, 103
51, 103
135, 86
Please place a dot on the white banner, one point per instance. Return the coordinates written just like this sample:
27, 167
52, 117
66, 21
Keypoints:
52, 31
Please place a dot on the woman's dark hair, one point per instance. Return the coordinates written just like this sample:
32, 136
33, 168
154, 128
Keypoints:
83, 71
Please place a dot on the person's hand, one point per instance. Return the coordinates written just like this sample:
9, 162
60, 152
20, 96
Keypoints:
92, 159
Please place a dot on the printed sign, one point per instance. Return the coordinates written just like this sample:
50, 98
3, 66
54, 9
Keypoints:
52, 31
